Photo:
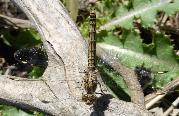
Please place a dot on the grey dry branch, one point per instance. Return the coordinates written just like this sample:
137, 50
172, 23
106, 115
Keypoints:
15, 22
67, 55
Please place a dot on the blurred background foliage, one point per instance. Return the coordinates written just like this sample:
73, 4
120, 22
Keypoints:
135, 32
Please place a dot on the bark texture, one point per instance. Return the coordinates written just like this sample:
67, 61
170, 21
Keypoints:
59, 90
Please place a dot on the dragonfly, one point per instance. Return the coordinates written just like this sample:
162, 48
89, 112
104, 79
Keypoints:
90, 79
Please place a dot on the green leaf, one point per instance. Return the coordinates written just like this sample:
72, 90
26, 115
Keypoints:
21, 38
114, 81
131, 53
36, 72
164, 48
133, 41
146, 9
109, 39
12, 111
149, 49
170, 8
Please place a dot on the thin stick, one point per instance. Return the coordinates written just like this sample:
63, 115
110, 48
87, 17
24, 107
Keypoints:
174, 105
153, 98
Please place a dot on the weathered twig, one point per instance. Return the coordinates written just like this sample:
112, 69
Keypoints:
151, 99
174, 105
16, 22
